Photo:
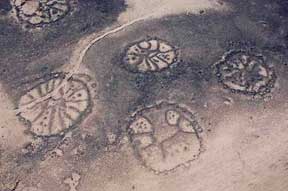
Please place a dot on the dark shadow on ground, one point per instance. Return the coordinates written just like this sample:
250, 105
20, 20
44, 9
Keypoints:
19, 47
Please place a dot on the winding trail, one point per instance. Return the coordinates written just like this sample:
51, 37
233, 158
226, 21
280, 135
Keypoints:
77, 57
84, 44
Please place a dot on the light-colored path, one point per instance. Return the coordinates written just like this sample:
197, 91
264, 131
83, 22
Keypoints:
137, 11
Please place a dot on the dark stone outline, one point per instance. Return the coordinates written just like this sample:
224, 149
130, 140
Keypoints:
157, 105
41, 24
70, 128
148, 38
268, 88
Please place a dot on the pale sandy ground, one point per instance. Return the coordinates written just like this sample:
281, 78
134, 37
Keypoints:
138, 11
11, 129
241, 156
159, 8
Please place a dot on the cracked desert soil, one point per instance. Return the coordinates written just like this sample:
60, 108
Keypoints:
204, 107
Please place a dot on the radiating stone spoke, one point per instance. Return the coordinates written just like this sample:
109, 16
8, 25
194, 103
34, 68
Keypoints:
150, 55
41, 12
63, 108
246, 73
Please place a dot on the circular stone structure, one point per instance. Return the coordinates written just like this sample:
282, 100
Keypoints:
245, 72
62, 108
149, 55
165, 136
40, 12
